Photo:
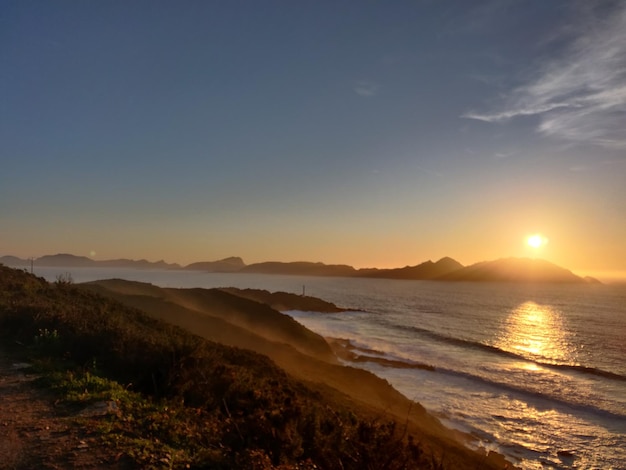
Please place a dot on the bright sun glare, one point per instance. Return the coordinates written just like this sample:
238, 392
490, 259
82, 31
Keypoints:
536, 241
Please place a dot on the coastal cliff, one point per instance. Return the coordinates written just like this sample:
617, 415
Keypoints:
221, 405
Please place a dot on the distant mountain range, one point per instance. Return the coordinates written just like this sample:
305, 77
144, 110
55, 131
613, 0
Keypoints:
301, 268
426, 270
226, 265
446, 269
513, 270
72, 261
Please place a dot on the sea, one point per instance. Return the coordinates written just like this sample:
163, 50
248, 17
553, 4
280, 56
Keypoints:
536, 372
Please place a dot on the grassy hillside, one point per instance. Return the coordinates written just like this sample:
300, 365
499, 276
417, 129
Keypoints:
187, 402
285, 301
297, 350
182, 306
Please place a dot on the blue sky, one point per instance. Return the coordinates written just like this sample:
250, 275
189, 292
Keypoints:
367, 133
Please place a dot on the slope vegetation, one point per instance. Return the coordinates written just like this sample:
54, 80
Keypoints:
214, 405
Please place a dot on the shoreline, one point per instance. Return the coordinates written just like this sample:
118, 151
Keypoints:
247, 323
345, 351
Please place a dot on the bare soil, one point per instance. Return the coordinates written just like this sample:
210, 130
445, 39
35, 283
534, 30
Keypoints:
37, 432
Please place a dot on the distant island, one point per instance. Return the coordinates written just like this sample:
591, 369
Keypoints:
445, 269
66, 260
513, 270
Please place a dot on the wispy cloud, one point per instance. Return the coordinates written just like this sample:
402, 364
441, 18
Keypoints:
503, 155
581, 96
578, 168
366, 88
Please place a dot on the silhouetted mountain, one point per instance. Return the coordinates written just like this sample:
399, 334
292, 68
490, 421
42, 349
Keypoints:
591, 280
300, 268
137, 264
226, 265
14, 261
513, 270
65, 260
446, 269
426, 270
72, 261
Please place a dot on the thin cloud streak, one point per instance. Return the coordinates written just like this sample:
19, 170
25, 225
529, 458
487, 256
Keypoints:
366, 88
581, 96
520, 111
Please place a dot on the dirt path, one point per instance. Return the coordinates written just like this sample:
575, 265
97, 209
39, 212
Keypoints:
37, 433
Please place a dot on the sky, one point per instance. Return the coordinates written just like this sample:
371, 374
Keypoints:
369, 133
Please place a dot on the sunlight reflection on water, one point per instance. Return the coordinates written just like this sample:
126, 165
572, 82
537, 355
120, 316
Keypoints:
537, 331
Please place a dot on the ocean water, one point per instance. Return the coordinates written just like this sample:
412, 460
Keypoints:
536, 372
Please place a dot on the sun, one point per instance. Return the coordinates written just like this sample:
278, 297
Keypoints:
536, 241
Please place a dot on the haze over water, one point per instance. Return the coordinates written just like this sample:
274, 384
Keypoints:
533, 371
